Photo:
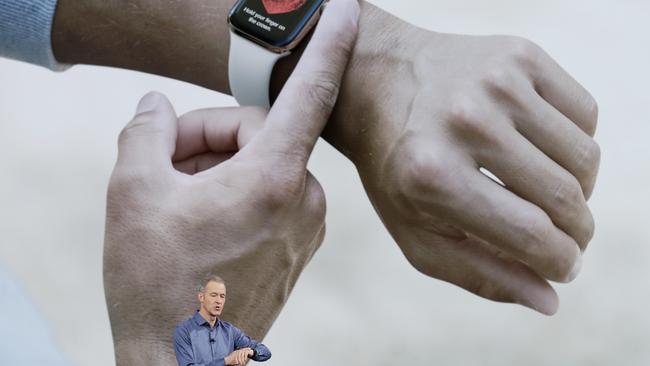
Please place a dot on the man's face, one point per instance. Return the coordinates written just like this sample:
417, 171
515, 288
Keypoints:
213, 298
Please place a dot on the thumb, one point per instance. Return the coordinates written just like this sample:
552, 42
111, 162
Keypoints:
302, 109
149, 139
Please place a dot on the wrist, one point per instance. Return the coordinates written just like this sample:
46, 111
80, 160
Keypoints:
189, 41
366, 118
384, 43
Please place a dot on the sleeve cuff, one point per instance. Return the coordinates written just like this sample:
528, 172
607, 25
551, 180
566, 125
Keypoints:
26, 32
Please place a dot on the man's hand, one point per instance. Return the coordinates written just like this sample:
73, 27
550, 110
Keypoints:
239, 357
436, 108
223, 191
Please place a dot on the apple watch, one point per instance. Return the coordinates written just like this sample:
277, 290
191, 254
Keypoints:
261, 33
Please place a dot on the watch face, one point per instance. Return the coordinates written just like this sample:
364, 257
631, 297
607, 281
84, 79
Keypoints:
274, 22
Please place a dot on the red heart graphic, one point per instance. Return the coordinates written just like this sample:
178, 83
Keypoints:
282, 6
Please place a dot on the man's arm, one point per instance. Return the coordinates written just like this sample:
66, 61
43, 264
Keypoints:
185, 40
260, 351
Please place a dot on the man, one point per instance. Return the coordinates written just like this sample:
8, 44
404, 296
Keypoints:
204, 339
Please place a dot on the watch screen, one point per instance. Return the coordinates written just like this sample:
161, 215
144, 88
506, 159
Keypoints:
275, 22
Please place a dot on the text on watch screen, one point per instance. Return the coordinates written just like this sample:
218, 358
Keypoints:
275, 22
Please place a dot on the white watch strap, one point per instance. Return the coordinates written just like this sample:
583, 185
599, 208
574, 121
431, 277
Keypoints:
249, 70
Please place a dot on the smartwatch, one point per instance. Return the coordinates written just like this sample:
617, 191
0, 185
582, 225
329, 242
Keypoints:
261, 33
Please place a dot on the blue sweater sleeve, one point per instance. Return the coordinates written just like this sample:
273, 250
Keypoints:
25, 32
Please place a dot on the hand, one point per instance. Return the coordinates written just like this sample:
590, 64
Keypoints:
224, 191
239, 357
434, 109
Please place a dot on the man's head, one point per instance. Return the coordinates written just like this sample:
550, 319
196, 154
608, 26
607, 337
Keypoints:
212, 295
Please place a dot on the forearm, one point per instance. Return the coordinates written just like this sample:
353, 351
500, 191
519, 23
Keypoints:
184, 40
189, 41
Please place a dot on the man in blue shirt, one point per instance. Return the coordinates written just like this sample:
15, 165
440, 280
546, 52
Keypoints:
205, 340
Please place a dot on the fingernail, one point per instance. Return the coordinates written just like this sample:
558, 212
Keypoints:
148, 103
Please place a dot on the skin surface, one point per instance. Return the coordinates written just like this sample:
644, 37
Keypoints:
419, 114
219, 191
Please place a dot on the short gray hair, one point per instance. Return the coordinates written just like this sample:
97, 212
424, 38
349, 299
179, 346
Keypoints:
210, 277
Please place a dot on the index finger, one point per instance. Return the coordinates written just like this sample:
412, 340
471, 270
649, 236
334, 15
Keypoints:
303, 107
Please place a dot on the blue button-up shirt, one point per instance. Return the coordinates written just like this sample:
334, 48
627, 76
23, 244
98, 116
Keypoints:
198, 344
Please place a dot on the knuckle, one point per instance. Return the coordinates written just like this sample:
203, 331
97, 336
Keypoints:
340, 43
551, 259
470, 121
500, 80
580, 226
587, 157
589, 231
590, 155
465, 114
567, 199
592, 115
534, 230
425, 172
523, 52
562, 267
322, 89
570, 208
504, 86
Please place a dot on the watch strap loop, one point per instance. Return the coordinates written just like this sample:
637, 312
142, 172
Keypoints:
249, 71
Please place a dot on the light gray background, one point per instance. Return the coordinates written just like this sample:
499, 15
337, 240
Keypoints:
358, 302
